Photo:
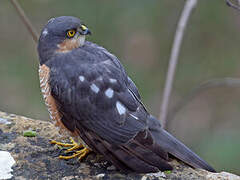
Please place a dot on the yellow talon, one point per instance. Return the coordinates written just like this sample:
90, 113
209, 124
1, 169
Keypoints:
61, 144
74, 145
77, 146
82, 153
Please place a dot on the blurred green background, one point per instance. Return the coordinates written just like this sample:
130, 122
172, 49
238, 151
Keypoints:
140, 33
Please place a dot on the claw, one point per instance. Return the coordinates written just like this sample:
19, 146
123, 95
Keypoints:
74, 146
82, 153
63, 144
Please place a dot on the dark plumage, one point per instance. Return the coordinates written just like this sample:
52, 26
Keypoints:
97, 101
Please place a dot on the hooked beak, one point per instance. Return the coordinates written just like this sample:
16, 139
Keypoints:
85, 32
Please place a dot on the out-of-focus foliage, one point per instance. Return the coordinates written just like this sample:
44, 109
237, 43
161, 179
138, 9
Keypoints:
140, 33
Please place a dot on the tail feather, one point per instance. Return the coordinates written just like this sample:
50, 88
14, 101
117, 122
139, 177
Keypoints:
147, 155
120, 156
179, 150
130, 159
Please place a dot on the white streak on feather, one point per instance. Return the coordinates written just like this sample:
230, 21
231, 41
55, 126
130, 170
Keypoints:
135, 117
94, 88
120, 108
109, 93
112, 80
81, 78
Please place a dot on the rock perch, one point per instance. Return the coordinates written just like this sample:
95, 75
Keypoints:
26, 155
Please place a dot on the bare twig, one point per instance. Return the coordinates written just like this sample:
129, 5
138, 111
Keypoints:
230, 4
213, 83
25, 20
186, 12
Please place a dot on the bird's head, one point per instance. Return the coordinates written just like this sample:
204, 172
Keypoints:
61, 35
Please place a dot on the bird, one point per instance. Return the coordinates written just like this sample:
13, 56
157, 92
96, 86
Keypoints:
90, 97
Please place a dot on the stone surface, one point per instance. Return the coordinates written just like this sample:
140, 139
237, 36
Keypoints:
36, 158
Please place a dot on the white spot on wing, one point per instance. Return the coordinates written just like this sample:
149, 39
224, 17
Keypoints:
112, 80
109, 93
94, 88
135, 117
120, 108
6, 163
81, 78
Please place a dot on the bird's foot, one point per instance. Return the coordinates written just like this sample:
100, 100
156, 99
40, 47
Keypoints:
80, 154
73, 146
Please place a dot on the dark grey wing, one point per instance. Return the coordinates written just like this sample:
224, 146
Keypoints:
98, 98
114, 61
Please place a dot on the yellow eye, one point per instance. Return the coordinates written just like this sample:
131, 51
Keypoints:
83, 27
71, 33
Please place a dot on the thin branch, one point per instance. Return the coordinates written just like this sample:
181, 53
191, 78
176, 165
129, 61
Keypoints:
213, 83
186, 12
25, 20
230, 4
